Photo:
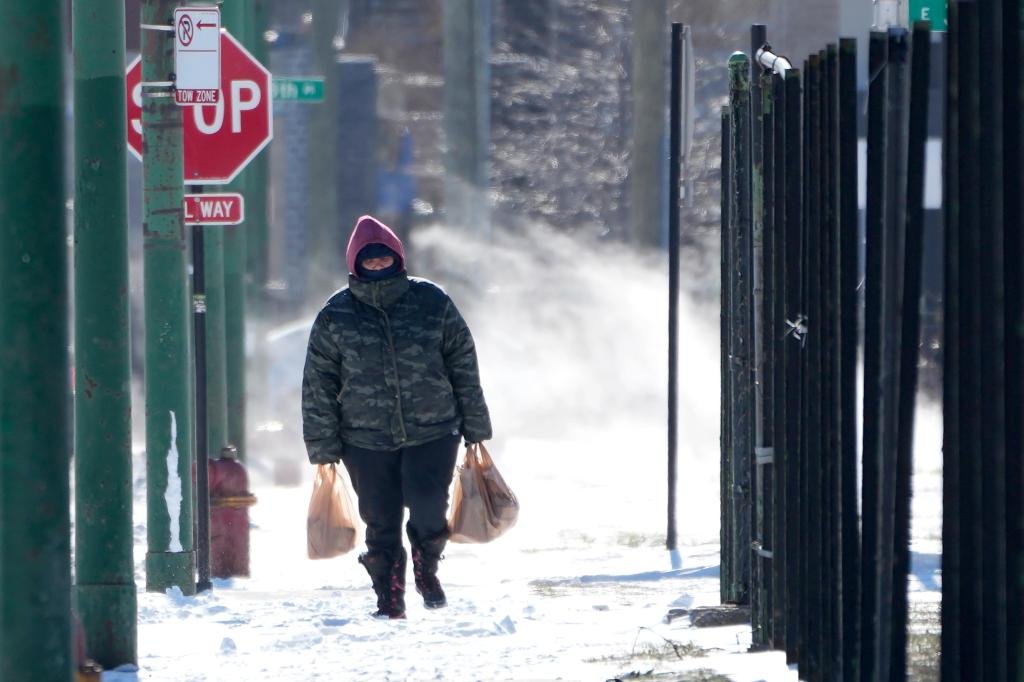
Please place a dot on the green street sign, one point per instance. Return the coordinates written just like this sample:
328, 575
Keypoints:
929, 10
298, 89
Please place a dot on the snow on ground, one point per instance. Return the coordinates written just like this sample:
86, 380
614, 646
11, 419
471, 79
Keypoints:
573, 365
545, 614
533, 605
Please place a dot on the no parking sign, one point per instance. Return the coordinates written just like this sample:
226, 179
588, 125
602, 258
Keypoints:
197, 55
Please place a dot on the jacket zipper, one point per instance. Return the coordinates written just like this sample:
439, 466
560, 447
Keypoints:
394, 366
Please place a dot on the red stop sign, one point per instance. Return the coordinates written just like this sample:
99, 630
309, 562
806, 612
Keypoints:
220, 139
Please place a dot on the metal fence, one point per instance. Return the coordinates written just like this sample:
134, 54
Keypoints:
815, 524
983, 385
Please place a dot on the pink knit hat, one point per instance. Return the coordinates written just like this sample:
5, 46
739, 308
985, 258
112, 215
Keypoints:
369, 230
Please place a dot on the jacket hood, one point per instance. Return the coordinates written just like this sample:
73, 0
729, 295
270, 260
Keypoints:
369, 230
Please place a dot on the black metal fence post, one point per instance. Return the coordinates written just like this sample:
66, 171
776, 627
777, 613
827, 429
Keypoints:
804, 508
742, 370
971, 331
892, 302
793, 357
777, 332
1013, 165
848, 225
951, 664
912, 285
993, 371
765, 554
725, 474
758, 596
831, 611
875, 216
812, 550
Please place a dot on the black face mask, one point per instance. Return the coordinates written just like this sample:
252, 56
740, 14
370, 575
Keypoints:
378, 275
377, 251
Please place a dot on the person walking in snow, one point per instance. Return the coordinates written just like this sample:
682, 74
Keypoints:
390, 387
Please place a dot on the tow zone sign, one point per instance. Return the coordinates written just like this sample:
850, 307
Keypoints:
197, 55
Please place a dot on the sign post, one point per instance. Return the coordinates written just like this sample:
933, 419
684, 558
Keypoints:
197, 55
170, 559
226, 122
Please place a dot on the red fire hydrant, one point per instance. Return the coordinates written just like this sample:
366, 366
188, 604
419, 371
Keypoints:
230, 500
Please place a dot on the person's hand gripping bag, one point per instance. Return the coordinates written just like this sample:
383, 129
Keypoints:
483, 506
331, 522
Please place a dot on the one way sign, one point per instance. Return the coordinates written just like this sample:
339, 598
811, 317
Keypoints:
214, 209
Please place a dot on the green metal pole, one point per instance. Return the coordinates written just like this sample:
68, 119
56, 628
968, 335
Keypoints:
104, 568
170, 560
216, 343
257, 176
325, 232
233, 18
648, 170
35, 528
256, 220
467, 114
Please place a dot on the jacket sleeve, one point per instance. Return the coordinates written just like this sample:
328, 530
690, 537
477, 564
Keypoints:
321, 383
464, 373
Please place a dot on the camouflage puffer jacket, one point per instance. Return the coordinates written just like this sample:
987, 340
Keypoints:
390, 364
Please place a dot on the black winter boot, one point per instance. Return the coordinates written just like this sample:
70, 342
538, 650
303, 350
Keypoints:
388, 577
425, 555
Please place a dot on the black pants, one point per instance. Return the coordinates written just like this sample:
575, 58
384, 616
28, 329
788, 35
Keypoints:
416, 477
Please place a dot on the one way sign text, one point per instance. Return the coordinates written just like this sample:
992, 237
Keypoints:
214, 209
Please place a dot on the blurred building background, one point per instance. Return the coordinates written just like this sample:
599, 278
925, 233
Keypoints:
562, 108
577, 121
576, 139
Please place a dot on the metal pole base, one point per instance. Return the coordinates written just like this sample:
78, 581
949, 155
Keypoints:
171, 569
107, 613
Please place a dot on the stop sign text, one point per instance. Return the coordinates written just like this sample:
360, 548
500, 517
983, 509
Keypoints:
219, 139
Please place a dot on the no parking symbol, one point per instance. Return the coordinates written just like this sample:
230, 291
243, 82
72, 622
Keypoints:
197, 55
